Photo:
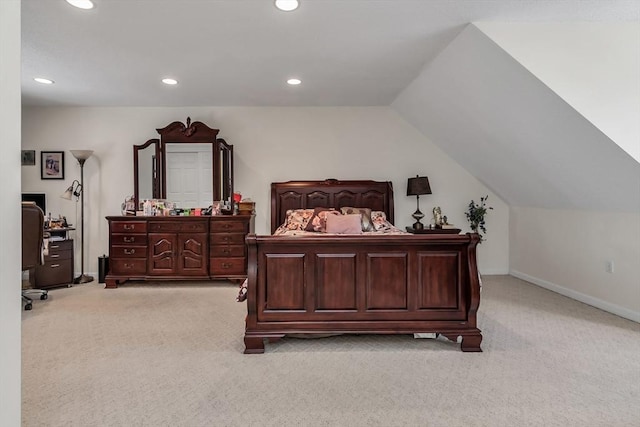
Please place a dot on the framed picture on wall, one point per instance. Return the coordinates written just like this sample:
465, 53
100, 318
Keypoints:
52, 165
28, 157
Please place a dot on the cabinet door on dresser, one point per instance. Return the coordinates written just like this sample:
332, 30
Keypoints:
162, 249
193, 253
178, 247
57, 269
228, 252
128, 248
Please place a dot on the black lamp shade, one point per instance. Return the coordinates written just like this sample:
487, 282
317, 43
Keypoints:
418, 186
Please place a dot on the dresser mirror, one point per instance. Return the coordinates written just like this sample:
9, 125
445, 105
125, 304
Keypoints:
188, 165
146, 177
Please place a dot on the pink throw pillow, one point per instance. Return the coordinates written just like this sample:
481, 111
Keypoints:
344, 224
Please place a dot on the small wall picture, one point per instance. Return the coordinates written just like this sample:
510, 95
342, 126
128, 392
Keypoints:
28, 157
52, 165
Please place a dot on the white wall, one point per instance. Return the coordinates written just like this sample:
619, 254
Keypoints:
568, 251
595, 67
10, 215
270, 144
504, 125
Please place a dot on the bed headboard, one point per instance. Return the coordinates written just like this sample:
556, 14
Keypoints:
330, 193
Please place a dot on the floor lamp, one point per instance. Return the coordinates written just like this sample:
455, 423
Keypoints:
76, 189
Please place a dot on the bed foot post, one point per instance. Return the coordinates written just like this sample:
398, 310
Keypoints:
253, 345
471, 343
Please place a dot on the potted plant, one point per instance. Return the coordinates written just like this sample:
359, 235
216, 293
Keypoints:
475, 215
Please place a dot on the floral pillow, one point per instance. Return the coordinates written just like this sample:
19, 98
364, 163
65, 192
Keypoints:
367, 224
318, 221
380, 223
297, 219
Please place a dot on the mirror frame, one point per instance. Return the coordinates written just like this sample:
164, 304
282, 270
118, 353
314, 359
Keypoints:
196, 132
156, 170
223, 175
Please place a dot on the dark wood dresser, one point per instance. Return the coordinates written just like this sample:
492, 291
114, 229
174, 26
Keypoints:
177, 248
57, 269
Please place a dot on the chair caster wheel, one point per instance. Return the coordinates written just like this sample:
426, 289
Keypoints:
28, 307
44, 296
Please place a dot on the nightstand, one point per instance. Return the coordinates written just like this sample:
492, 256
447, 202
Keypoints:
434, 231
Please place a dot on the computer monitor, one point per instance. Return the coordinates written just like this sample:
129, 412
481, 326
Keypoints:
39, 198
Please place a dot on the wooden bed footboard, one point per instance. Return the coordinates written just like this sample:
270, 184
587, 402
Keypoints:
390, 284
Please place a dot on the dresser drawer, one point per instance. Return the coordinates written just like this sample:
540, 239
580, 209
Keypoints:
227, 251
128, 226
129, 239
222, 266
227, 239
128, 252
228, 226
183, 225
127, 266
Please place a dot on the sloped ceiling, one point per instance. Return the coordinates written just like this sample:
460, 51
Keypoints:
594, 67
514, 134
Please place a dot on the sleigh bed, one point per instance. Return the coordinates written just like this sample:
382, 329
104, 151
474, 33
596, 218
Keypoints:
387, 282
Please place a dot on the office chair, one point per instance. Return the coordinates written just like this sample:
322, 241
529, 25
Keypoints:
33, 248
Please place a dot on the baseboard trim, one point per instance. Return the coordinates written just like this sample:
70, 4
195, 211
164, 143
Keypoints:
579, 296
494, 272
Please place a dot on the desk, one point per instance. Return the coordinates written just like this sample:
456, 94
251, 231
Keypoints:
57, 269
62, 232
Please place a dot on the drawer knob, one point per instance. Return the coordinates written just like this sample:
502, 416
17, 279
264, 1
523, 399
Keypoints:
226, 251
129, 251
129, 239
55, 265
129, 227
225, 265
54, 246
54, 256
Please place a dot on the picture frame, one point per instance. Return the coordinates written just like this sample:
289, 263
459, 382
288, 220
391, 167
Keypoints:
28, 157
52, 165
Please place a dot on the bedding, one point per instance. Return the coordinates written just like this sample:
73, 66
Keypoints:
297, 220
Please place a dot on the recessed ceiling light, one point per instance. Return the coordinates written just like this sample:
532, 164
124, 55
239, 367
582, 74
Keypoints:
169, 81
81, 4
43, 80
287, 5
294, 82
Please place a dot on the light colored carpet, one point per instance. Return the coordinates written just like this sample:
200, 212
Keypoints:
171, 355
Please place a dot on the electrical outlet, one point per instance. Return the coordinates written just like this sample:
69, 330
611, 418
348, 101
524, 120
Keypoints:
609, 266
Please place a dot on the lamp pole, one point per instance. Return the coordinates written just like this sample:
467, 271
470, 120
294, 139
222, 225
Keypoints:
82, 156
